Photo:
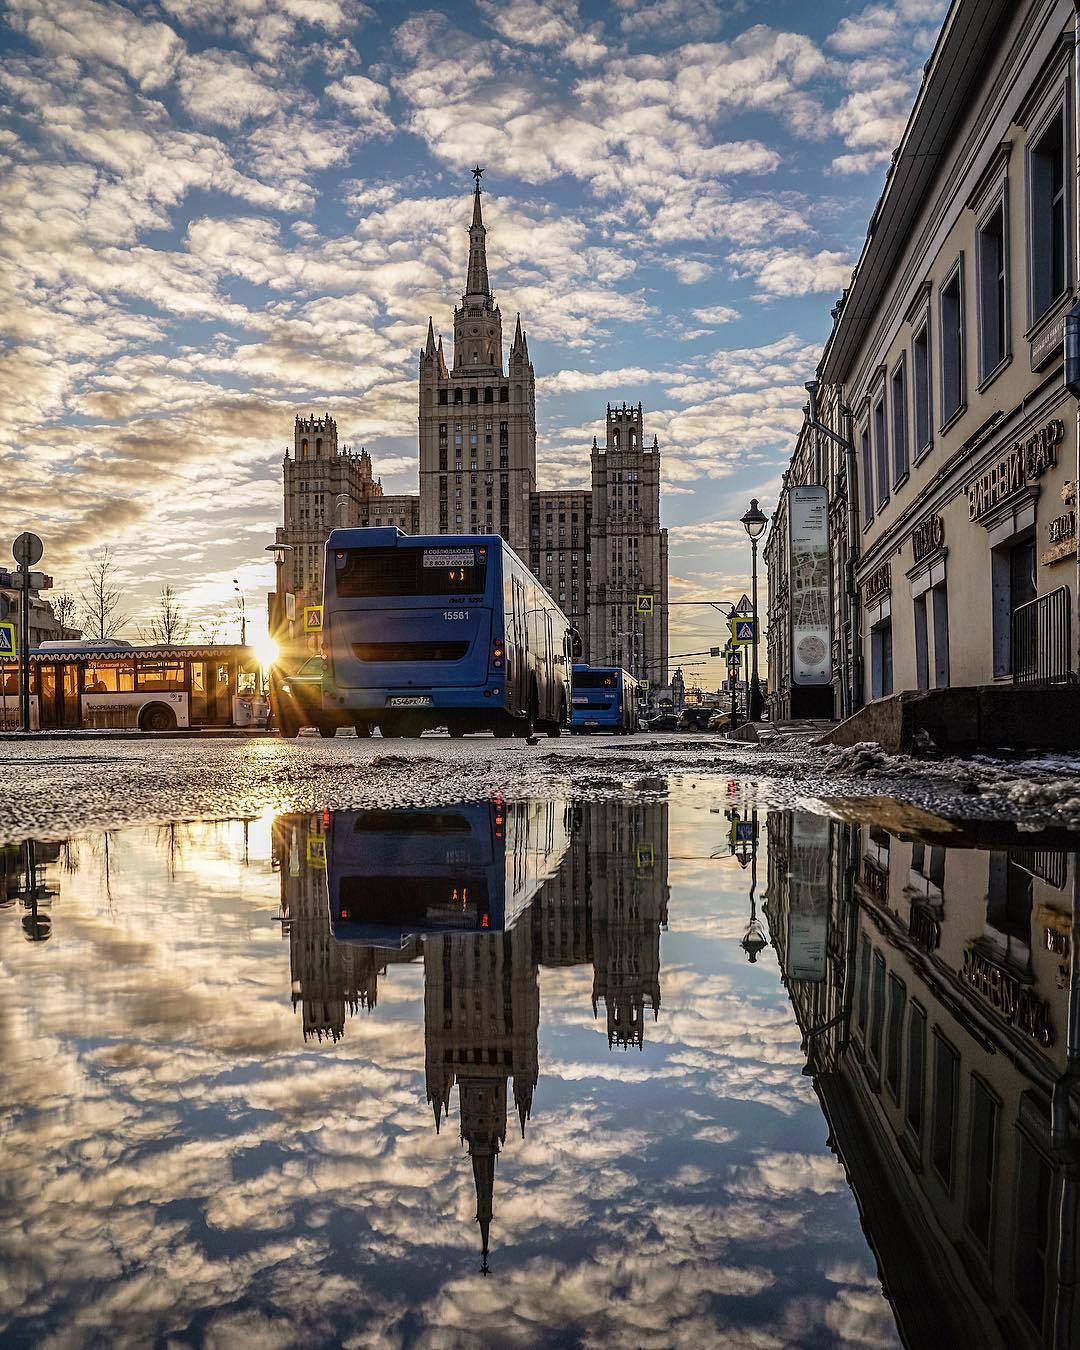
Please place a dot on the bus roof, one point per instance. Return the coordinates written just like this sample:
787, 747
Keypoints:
115, 649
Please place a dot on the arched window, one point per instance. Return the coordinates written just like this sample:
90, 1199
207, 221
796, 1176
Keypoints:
318, 446
615, 439
303, 449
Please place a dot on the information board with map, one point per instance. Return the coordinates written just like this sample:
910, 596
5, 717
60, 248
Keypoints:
811, 635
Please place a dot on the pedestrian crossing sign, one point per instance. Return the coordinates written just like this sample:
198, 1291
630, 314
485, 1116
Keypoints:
316, 850
7, 640
313, 618
644, 604
743, 630
646, 855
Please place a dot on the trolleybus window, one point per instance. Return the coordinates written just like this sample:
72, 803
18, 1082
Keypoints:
161, 676
377, 572
109, 677
595, 679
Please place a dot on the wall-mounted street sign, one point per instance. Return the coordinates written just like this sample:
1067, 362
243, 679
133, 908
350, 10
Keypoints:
644, 604
7, 640
313, 618
742, 630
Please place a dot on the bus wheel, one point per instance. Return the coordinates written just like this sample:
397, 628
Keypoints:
554, 729
158, 718
327, 730
290, 728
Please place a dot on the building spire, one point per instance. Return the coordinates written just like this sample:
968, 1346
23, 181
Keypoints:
477, 280
429, 350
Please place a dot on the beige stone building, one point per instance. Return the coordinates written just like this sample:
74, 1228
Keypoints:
952, 517
595, 549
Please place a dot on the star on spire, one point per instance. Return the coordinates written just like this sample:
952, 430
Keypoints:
478, 173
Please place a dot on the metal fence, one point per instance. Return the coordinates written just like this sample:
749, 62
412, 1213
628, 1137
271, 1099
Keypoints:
1041, 644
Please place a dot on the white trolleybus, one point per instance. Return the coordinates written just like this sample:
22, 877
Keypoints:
148, 688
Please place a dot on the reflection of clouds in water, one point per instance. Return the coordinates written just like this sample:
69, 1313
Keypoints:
196, 1107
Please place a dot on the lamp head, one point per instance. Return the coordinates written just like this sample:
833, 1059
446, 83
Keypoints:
755, 520
279, 551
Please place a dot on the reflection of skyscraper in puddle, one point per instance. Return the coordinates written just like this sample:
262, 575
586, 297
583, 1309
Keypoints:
329, 978
486, 892
938, 1030
625, 845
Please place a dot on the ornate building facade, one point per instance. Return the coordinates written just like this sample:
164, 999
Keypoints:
596, 549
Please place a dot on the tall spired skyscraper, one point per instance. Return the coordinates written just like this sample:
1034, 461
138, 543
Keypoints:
477, 419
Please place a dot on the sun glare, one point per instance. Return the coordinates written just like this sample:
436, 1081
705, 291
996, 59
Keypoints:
266, 649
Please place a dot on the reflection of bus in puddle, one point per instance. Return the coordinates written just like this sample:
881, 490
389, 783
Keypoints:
470, 867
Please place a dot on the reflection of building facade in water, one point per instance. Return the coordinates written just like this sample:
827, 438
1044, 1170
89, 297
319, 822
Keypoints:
938, 1032
605, 906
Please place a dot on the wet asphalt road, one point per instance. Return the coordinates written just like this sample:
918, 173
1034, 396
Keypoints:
51, 787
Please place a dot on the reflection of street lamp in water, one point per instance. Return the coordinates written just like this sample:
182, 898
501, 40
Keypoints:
754, 940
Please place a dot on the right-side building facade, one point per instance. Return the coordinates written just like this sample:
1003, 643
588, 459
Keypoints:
937, 461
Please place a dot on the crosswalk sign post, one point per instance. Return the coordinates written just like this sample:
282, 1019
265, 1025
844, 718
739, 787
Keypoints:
743, 630
644, 604
313, 618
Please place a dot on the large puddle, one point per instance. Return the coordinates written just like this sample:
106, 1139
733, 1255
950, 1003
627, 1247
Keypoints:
649, 1072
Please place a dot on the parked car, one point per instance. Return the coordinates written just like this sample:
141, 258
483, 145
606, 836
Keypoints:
296, 701
719, 721
664, 722
695, 719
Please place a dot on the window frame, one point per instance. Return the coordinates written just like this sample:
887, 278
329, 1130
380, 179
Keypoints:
922, 333
879, 436
866, 467
942, 1044
1056, 107
978, 1084
998, 203
955, 274
901, 436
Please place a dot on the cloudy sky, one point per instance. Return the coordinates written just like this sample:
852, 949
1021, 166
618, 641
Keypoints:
220, 212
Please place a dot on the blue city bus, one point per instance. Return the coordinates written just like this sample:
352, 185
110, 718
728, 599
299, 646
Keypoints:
472, 867
423, 631
604, 698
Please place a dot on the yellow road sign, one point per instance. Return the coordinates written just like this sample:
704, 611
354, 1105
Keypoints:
646, 855
316, 850
644, 604
7, 640
313, 618
742, 630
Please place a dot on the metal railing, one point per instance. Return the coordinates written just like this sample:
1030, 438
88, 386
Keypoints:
1041, 641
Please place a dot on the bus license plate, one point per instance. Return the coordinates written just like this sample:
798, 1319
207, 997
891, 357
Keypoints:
409, 701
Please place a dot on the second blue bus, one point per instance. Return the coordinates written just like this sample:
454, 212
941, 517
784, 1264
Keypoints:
604, 698
425, 631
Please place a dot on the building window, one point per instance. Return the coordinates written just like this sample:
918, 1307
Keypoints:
899, 424
920, 385
953, 391
881, 453
893, 1051
877, 1008
913, 1102
982, 1162
946, 1085
868, 474
993, 291
1046, 193
922, 643
1033, 1231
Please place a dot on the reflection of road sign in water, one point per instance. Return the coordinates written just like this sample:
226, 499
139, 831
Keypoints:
646, 855
742, 631
7, 639
316, 850
744, 831
644, 604
643, 685
313, 618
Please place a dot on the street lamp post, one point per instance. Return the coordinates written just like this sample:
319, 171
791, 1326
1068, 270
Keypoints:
754, 523
278, 618
243, 612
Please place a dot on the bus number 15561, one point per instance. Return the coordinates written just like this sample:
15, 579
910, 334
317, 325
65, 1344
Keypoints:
455, 614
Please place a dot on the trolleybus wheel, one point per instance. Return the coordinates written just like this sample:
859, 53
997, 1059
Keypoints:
158, 718
327, 730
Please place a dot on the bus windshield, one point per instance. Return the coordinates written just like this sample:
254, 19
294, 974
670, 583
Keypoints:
596, 679
378, 572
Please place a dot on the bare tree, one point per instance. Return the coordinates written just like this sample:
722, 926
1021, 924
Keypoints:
100, 598
65, 607
170, 624
210, 630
